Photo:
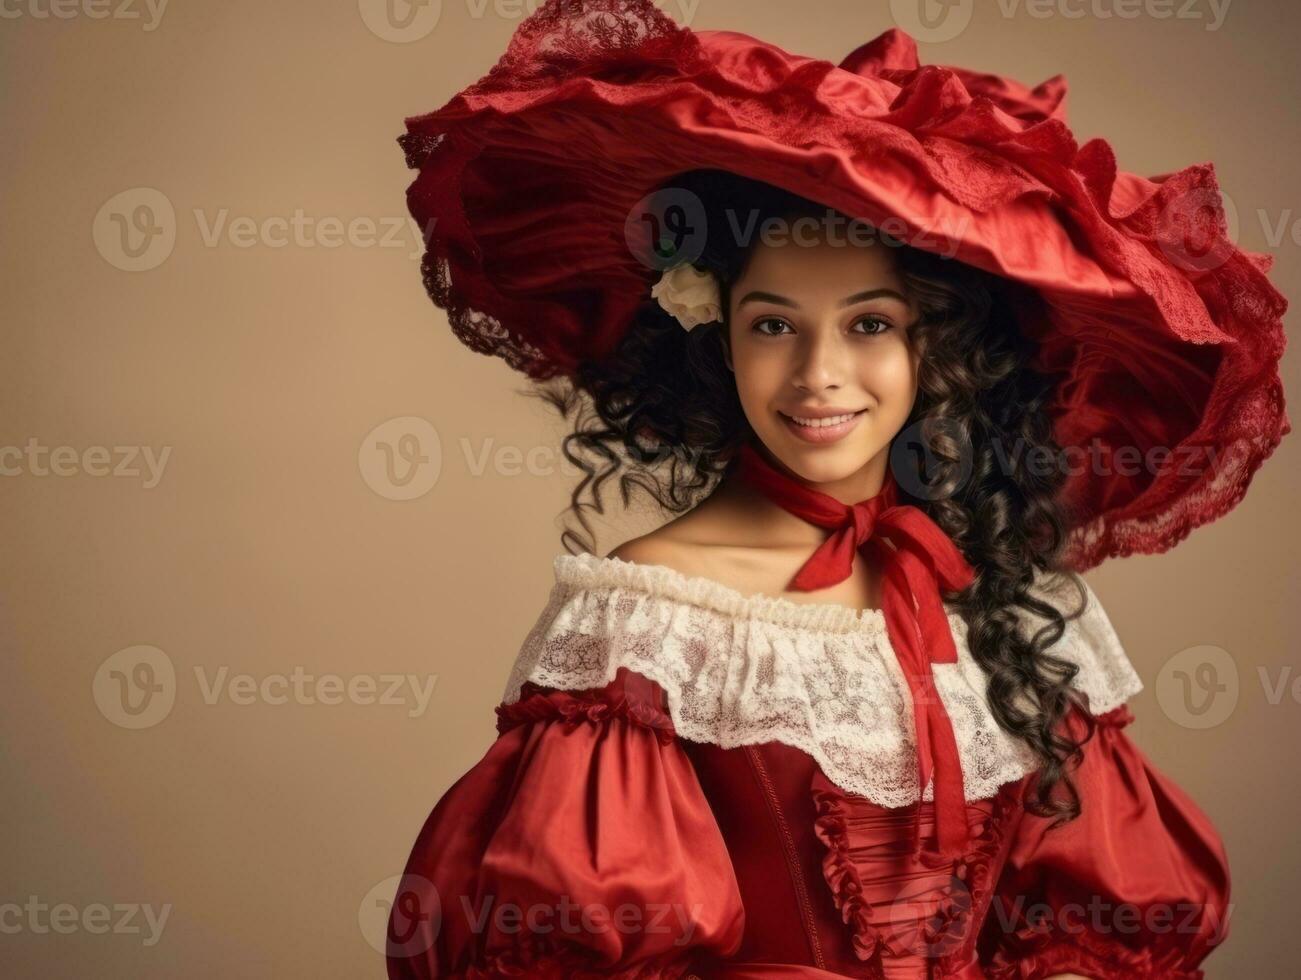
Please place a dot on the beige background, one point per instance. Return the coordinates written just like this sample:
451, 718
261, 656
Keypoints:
264, 827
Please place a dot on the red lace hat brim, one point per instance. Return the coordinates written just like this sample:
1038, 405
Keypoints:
1165, 334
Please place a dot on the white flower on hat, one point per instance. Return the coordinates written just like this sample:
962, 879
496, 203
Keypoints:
689, 295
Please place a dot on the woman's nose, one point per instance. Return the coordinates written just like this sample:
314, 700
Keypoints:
821, 362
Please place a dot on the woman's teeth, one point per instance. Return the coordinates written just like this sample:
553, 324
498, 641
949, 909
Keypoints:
820, 423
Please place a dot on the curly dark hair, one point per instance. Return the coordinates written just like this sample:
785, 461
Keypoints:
663, 415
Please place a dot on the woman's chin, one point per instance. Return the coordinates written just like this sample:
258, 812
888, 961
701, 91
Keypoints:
827, 463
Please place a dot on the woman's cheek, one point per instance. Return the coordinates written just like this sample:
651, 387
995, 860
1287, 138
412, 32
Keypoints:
759, 375
889, 374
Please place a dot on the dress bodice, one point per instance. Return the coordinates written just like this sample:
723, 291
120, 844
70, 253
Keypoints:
830, 879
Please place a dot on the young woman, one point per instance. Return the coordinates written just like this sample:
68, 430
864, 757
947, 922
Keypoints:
876, 337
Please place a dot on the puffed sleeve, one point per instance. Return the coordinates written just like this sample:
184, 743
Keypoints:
1136, 887
581, 845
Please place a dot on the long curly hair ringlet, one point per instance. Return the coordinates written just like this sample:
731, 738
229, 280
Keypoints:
661, 414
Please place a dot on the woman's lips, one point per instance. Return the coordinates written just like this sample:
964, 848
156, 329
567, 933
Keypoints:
821, 433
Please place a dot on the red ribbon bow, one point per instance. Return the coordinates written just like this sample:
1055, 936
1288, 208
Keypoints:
918, 560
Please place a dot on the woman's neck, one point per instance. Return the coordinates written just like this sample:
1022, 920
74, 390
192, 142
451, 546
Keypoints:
862, 484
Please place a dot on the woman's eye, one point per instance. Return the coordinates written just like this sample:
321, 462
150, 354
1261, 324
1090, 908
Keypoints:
771, 326
873, 324
775, 326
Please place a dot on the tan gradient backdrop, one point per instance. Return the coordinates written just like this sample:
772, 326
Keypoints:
250, 367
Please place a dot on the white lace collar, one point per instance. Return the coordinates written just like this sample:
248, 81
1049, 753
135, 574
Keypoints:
742, 670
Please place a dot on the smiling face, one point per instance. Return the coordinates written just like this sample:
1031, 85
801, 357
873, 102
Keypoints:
818, 338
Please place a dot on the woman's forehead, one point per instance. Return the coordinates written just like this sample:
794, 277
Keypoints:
814, 264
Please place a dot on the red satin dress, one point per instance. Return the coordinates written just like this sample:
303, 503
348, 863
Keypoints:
595, 839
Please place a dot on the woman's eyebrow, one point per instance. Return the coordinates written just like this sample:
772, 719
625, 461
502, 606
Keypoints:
872, 294
759, 296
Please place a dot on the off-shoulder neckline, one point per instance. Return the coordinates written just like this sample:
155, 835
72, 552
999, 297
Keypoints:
592, 571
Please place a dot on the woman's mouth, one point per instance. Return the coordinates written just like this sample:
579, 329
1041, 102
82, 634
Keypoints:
822, 430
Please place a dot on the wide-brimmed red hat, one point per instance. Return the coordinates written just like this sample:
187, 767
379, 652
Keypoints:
1164, 334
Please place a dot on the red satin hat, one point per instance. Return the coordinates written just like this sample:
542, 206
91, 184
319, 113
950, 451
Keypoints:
1165, 334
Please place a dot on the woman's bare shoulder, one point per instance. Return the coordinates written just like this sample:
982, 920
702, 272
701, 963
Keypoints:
717, 540
695, 543
675, 547
730, 540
